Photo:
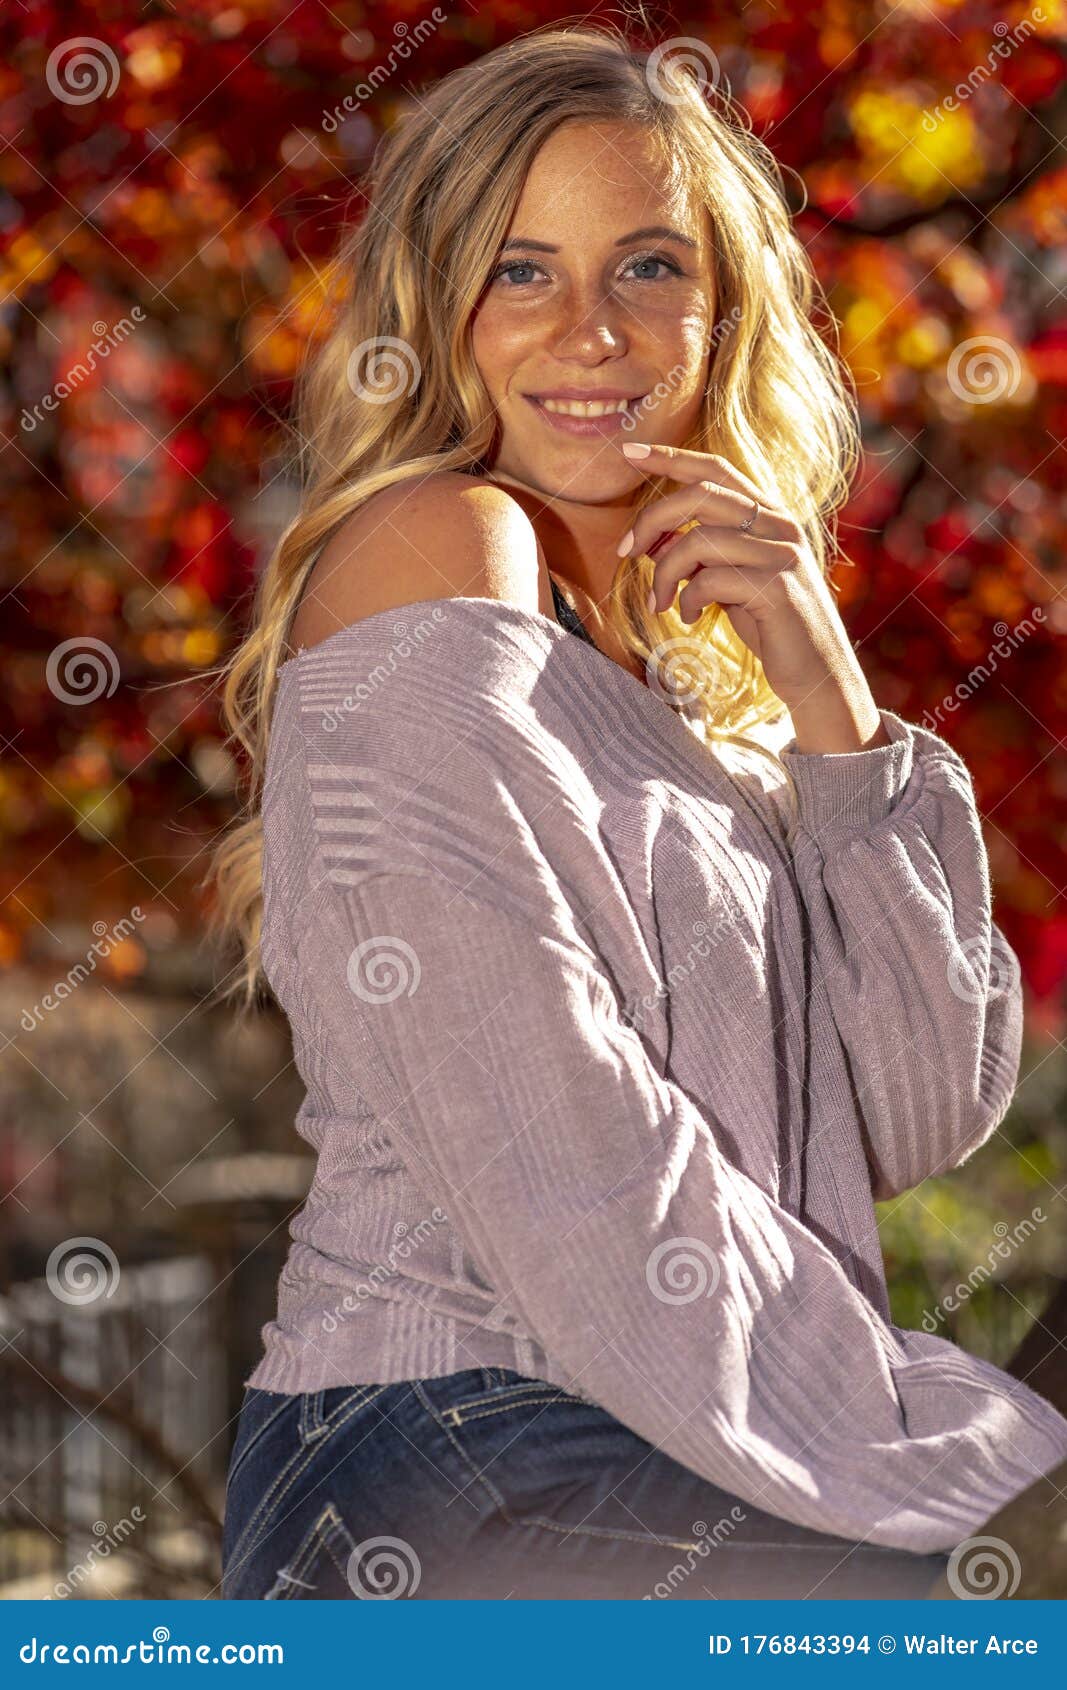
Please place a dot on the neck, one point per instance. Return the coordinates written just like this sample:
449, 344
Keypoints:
579, 541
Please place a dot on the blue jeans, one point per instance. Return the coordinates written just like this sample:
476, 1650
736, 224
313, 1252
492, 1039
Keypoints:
489, 1484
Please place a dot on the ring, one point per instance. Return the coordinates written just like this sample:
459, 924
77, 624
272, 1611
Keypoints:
749, 520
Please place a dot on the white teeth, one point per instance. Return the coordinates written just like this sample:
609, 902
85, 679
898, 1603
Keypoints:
584, 407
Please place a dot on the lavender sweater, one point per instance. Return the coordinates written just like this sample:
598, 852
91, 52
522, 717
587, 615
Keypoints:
605, 1062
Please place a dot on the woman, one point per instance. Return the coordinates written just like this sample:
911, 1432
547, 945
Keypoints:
613, 1020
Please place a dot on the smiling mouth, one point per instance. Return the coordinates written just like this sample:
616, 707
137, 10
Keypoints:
587, 418
584, 407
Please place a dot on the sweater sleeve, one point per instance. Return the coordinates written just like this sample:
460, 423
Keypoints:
666, 1283
925, 989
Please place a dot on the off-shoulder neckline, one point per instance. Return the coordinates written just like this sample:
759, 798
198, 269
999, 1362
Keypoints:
401, 612
501, 610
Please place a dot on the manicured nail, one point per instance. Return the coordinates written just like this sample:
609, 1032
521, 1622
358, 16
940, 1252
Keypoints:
651, 601
625, 543
636, 449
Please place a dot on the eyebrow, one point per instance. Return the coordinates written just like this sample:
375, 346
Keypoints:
655, 231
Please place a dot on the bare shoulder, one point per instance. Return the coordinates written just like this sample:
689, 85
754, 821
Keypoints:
442, 535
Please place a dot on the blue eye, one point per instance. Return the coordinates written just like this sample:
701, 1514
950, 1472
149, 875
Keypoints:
516, 264
657, 258
508, 269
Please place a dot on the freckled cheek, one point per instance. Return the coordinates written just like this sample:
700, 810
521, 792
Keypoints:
677, 345
501, 346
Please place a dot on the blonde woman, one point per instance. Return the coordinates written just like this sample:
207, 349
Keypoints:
630, 949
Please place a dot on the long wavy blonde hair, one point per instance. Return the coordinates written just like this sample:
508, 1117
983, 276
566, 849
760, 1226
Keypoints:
442, 190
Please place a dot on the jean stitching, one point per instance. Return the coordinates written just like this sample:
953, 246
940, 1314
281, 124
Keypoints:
327, 1528
280, 1408
652, 1538
514, 1393
497, 1499
500, 1408
293, 1574
312, 1424
269, 1504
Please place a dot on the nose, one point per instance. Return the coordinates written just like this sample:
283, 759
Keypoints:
591, 329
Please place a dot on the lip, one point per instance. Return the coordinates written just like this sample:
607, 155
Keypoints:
605, 394
587, 428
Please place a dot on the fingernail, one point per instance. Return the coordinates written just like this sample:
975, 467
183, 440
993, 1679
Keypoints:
636, 449
651, 600
625, 543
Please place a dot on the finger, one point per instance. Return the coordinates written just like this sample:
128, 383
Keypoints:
724, 584
710, 501
706, 547
682, 464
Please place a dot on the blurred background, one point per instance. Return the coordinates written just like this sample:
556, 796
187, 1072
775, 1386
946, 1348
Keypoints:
173, 177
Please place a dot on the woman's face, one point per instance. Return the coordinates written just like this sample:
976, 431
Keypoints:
603, 290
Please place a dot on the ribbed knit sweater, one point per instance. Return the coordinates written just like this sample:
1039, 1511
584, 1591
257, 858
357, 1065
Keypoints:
608, 1055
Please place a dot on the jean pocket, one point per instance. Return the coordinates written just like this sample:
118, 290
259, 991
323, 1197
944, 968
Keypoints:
513, 1393
558, 1463
321, 1566
260, 1410
293, 1461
